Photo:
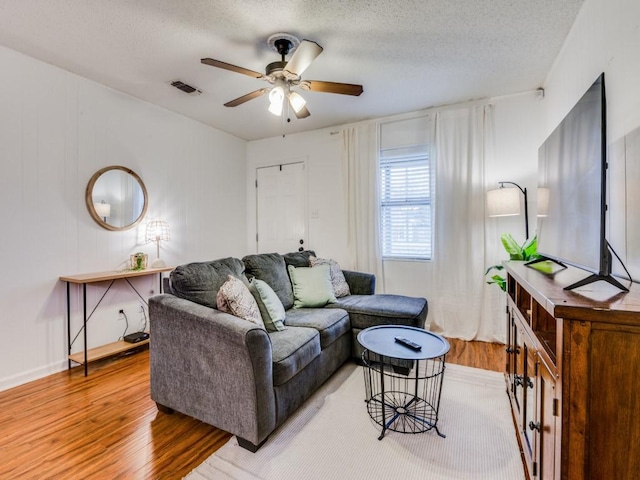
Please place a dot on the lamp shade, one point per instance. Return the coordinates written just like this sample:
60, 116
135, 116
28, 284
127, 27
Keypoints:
276, 97
543, 202
296, 101
103, 209
503, 202
157, 230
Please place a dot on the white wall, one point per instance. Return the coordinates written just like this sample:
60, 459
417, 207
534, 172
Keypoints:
320, 150
605, 38
56, 130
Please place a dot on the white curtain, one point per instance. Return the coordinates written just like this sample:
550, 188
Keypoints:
360, 174
461, 304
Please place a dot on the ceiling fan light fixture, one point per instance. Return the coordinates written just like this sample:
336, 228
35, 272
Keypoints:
276, 99
296, 101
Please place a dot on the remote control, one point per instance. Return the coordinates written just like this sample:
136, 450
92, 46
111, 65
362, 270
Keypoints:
408, 343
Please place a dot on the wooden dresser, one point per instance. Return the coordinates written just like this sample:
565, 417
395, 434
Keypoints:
573, 370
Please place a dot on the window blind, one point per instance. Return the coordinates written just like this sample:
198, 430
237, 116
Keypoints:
405, 194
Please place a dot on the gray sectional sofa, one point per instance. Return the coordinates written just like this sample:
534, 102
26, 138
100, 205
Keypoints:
239, 377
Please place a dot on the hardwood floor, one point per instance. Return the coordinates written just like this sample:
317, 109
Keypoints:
105, 426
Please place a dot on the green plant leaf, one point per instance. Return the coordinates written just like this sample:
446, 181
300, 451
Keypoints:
500, 281
494, 267
511, 246
530, 248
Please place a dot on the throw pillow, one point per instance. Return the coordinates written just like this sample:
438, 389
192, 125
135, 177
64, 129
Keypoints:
270, 267
340, 285
311, 286
235, 298
271, 309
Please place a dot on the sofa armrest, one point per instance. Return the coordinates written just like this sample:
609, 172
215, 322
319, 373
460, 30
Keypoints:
360, 283
211, 366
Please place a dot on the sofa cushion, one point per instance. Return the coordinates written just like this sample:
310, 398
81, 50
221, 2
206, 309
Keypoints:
331, 323
235, 298
340, 285
270, 306
270, 268
298, 259
292, 350
311, 286
370, 310
200, 281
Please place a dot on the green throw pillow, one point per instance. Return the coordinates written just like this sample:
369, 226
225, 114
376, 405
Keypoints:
311, 286
269, 304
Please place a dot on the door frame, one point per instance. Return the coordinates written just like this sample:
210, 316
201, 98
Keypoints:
254, 190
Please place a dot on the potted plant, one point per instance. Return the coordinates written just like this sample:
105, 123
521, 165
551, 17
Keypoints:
527, 251
138, 261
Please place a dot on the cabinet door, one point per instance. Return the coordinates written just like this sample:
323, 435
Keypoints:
530, 385
510, 349
518, 372
546, 421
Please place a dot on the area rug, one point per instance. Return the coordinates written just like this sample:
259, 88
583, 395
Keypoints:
332, 437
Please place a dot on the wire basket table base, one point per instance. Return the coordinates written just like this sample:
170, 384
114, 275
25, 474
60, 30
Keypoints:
404, 400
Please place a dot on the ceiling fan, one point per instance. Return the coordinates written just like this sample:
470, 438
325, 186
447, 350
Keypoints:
285, 75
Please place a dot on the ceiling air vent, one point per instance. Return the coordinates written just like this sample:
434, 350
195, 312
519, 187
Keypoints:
186, 88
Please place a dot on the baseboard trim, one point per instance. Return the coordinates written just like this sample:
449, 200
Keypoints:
21, 378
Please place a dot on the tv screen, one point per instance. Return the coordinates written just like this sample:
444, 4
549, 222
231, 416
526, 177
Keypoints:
572, 167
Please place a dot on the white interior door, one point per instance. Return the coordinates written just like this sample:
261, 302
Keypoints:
281, 208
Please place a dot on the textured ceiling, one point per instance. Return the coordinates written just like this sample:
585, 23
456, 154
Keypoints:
408, 55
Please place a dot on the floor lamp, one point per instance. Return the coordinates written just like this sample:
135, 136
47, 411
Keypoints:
504, 202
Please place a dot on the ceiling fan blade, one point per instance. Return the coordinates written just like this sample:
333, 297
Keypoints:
246, 98
332, 87
233, 68
306, 53
302, 113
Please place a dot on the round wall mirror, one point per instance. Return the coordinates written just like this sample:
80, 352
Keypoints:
116, 198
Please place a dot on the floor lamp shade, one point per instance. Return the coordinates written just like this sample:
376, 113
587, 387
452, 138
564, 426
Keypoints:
503, 202
103, 210
543, 202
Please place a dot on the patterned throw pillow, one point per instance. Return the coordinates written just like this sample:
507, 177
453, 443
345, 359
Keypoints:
235, 298
340, 285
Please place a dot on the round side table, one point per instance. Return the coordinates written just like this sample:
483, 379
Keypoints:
403, 401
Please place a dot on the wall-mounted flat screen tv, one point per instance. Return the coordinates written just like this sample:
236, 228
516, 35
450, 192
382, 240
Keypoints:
572, 167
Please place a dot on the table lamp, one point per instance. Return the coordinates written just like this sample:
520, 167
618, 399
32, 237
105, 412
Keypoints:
157, 230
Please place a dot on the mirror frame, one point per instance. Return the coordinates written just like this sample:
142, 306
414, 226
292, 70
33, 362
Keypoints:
89, 198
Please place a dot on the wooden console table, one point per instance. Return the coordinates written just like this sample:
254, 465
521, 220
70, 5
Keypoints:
89, 355
572, 361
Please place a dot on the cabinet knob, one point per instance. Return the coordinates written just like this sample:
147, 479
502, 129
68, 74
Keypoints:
518, 380
509, 350
529, 382
534, 426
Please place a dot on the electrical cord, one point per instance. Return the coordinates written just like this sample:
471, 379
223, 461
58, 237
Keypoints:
126, 321
620, 260
144, 329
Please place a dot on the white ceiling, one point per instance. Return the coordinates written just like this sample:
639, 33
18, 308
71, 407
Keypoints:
408, 54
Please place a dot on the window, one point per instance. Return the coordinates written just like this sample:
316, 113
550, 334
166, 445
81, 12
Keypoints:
405, 194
